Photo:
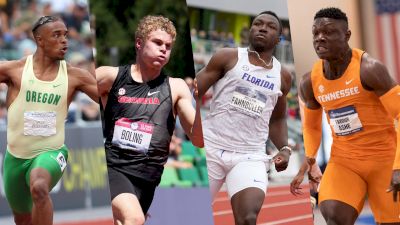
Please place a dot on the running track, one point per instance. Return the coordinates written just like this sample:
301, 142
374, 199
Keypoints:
280, 208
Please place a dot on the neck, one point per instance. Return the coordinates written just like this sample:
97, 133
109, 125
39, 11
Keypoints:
42, 63
263, 55
334, 68
142, 73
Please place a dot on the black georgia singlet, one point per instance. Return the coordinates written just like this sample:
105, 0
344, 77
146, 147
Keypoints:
139, 123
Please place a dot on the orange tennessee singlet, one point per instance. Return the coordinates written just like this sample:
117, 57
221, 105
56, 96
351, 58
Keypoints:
361, 128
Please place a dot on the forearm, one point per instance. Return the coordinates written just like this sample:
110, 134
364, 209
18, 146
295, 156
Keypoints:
196, 133
304, 167
278, 132
312, 131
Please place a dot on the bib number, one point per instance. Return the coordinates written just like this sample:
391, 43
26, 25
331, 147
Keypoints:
345, 121
40, 123
248, 101
134, 135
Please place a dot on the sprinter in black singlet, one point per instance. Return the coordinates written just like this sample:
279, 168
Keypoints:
140, 108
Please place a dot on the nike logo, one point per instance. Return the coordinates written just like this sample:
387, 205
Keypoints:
56, 85
152, 93
270, 76
258, 181
349, 81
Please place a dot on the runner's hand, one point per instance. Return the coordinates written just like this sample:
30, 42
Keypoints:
395, 185
281, 160
295, 188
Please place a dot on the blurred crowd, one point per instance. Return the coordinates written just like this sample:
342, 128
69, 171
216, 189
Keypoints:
16, 41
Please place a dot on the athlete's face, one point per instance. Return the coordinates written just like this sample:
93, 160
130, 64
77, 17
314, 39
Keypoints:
156, 49
330, 37
52, 39
264, 32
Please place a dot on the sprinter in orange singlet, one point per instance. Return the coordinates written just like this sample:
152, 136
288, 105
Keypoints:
361, 101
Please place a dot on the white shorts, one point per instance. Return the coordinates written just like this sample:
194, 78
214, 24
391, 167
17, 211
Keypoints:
238, 170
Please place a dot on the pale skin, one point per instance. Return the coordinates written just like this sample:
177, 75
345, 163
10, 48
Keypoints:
152, 55
52, 43
331, 44
264, 36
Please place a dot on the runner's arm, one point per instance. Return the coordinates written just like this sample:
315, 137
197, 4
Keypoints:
87, 84
375, 76
105, 77
189, 117
278, 124
214, 70
312, 117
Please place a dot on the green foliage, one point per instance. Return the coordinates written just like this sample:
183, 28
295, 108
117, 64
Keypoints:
116, 24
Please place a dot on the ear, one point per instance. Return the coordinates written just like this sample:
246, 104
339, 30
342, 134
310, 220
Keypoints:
278, 39
348, 35
138, 43
39, 40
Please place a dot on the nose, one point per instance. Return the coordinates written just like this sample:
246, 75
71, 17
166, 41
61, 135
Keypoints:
163, 48
319, 37
263, 28
64, 40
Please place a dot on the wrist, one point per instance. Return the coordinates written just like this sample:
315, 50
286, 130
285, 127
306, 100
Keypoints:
286, 148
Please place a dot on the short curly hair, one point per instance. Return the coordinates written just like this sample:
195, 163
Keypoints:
333, 13
151, 23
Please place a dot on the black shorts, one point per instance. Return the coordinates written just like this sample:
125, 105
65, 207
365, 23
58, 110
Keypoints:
125, 183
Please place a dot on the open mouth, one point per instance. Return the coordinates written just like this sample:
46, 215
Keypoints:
321, 49
64, 50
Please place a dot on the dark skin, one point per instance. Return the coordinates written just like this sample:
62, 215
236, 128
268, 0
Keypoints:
52, 44
330, 40
264, 36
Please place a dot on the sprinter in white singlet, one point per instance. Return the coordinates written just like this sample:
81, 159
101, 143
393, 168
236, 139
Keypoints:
247, 108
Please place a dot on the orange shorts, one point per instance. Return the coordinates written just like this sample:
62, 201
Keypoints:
350, 181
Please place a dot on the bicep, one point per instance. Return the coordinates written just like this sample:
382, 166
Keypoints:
185, 109
88, 85
105, 77
307, 94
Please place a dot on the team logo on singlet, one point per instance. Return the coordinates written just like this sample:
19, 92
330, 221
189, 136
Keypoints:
335, 95
257, 81
121, 91
42, 97
321, 88
245, 68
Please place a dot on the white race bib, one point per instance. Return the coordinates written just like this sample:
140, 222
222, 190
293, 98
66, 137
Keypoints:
40, 123
135, 135
345, 121
248, 101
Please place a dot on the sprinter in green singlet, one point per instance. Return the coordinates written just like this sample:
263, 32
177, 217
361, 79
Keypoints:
40, 88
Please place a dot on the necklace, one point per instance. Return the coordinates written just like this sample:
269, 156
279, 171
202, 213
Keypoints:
259, 57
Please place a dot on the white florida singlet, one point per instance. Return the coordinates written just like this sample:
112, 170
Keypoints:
242, 105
